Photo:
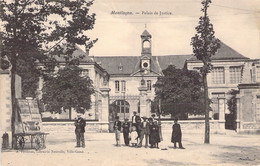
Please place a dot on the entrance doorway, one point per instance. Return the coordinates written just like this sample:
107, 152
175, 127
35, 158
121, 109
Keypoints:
122, 109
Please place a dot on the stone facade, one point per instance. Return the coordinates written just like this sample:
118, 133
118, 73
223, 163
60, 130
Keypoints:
123, 89
248, 100
5, 98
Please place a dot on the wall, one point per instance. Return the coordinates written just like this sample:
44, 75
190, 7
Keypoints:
186, 126
64, 127
219, 88
6, 104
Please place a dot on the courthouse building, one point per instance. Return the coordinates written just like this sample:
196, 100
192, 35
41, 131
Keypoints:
124, 84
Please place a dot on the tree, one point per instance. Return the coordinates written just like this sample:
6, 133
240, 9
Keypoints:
205, 45
232, 104
180, 92
66, 90
37, 30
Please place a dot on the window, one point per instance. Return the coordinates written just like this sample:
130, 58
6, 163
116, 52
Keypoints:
218, 75
123, 85
117, 88
215, 105
84, 72
257, 73
235, 74
257, 109
149, 85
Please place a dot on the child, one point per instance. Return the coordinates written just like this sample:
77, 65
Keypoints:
134, 137
117, 129
176, 134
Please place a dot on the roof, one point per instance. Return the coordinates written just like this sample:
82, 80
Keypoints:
112, 64
177, 60
76, 54
146, 33
224, 53
131, 64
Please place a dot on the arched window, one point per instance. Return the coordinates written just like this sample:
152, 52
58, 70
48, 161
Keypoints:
122, 106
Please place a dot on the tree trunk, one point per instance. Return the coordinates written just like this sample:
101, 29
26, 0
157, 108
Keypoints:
70, 113
206, 107
14, 107
159, 123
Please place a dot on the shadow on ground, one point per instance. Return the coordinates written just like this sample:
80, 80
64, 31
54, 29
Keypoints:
242, 155
166, 162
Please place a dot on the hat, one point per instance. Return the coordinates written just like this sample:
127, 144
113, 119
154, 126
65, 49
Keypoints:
175, 119
144, 117
126, 119
150, 119
153, 114
117, 117
134, 112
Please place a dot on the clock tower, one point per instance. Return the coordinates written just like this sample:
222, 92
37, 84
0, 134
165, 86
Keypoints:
146, 54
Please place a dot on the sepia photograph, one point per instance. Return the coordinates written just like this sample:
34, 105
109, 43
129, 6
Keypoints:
130, 82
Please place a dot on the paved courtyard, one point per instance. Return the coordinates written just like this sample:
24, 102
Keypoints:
229, 149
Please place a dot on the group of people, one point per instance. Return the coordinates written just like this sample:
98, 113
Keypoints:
134, 132
144, 128
137, 130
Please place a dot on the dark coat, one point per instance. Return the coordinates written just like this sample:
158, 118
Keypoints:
137, 119
117, 126
176, 133
144, 129
80, 124
126, 127
154, 134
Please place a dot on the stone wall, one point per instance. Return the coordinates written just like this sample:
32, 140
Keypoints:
63, 127
195, 126
5, 101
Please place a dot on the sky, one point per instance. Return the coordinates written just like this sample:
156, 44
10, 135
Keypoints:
236, 23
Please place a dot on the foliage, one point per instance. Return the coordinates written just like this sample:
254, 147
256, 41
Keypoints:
205, 45
180, 91
30, 77
232, 102
36, 31
67, 89
40, 30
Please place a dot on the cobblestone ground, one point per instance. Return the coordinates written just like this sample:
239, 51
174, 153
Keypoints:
229, 149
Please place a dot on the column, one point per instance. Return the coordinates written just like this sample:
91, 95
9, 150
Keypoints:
221, 111
143, 103
104, 117
238, 113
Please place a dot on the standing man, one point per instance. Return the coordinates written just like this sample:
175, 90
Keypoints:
80, 130
126, 131
117, 129
136, 120
153, 118
144, 132
176, 134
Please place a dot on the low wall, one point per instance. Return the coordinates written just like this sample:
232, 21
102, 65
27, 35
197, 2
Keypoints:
248, 127
62, 127
194, 126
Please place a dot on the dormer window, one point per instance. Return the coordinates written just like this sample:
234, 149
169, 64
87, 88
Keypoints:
120, 67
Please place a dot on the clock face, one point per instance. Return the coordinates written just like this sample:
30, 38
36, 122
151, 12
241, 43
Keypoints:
145, 64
